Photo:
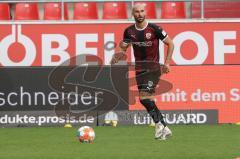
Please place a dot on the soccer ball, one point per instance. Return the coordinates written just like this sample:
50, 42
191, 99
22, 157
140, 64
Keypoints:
86, 134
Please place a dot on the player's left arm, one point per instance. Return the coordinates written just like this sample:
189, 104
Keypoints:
164, 37
170, 47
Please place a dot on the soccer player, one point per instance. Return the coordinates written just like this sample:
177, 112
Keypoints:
144, 38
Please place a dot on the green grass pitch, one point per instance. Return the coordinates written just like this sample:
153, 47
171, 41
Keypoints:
124, 142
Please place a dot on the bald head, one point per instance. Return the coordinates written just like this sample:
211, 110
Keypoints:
138, 6
138, 12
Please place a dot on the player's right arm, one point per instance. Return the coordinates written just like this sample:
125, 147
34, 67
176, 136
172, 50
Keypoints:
123, 45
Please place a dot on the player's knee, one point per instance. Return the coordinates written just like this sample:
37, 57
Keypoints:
147, 103
145, 95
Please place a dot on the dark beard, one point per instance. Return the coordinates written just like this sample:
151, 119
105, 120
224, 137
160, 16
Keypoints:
140, 21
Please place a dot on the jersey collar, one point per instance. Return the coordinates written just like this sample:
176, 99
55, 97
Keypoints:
142, 28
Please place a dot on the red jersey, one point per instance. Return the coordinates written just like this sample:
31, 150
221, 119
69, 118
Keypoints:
145, 41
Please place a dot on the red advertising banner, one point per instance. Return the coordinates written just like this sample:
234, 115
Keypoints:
194, 87
198, 87
52, 44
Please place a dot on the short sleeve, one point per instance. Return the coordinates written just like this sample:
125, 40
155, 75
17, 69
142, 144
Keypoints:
160, 33
126, 38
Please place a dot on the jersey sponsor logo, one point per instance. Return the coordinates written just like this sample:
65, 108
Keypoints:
148, 35
143, 44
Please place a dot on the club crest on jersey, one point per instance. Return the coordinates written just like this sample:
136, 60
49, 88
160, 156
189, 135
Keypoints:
148, 35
